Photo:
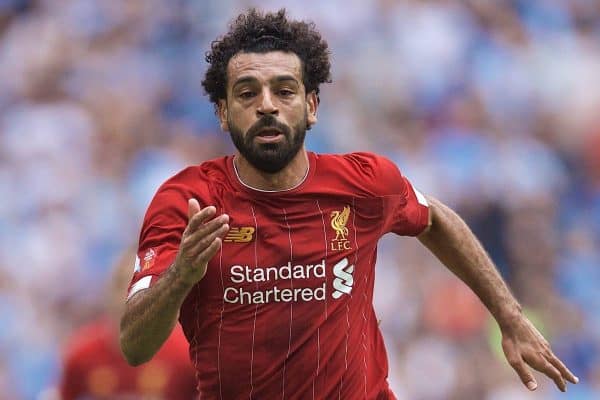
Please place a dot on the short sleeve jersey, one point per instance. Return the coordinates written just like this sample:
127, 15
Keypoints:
285, 308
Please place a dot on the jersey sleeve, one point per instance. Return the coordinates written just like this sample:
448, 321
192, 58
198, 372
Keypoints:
163, 226
406, 211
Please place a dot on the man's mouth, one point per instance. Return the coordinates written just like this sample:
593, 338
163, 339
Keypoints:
269, 136
268, 133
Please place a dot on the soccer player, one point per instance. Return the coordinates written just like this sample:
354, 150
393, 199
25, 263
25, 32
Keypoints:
267, 256
94, 367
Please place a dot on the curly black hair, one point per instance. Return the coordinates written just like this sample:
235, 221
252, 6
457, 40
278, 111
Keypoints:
261, 33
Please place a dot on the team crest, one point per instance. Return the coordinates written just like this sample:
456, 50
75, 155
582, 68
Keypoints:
339, 219
242, 234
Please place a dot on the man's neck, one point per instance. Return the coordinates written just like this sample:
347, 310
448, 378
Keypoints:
288, 178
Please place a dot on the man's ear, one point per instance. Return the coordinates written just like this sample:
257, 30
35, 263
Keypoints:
222, 113
312, 103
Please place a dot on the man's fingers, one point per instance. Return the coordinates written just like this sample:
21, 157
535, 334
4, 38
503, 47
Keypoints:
555, 375
523, 371
564, 371
193, 208
195, 241
211, 250
539, 362
524, 346
206, 240
199, 217
207, 228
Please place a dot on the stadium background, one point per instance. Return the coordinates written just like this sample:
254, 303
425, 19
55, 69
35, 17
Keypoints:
492, 106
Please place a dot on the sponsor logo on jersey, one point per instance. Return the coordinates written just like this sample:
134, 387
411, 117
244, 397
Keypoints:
344, 278
309, 283
242, 234
149, 258
339, 219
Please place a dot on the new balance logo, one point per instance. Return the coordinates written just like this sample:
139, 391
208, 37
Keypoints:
243, 234
343, 278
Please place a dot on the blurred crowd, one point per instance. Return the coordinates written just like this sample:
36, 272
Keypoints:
490, 105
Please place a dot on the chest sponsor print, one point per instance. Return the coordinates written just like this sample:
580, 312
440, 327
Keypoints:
304, 289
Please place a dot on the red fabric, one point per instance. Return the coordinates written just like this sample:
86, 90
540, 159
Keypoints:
285, 309
94, 368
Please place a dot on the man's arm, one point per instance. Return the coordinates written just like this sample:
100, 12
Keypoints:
452, 242
151, 314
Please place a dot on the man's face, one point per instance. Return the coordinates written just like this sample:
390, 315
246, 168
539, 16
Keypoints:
267, 110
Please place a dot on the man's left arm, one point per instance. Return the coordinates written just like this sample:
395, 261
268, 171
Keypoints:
449, 238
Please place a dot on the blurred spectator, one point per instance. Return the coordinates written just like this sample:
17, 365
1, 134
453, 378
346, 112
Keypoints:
94, 368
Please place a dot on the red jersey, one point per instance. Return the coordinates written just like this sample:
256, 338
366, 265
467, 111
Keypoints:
94, 368
285, 308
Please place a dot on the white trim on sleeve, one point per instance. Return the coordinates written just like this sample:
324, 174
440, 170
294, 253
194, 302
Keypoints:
142, 284
420, 198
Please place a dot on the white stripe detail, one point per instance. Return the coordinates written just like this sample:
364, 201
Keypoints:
325, 240
420, 198
346, 352
142, 284
318, 358
326, 299
220, 322
256, 307
364, 292
194, 342
348, 300
291, 304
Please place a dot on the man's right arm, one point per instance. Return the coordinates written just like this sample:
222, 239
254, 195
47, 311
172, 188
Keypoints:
151, 314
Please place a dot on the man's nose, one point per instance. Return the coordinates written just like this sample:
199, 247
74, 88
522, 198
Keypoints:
266, 105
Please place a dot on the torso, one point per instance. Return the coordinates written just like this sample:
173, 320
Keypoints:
285, 309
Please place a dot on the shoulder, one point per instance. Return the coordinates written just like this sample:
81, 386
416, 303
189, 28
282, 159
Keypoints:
359, 163
197, 181
196, 178
364, 172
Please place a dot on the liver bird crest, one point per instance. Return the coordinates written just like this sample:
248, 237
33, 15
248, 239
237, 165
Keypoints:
339, 221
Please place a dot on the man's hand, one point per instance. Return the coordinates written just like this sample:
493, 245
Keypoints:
524, 345
151, 314
200, 241
455, 245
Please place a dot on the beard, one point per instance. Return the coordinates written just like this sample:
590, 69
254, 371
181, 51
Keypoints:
269, 157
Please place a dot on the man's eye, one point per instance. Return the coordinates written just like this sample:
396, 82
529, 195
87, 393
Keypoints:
246, 95
285, 92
